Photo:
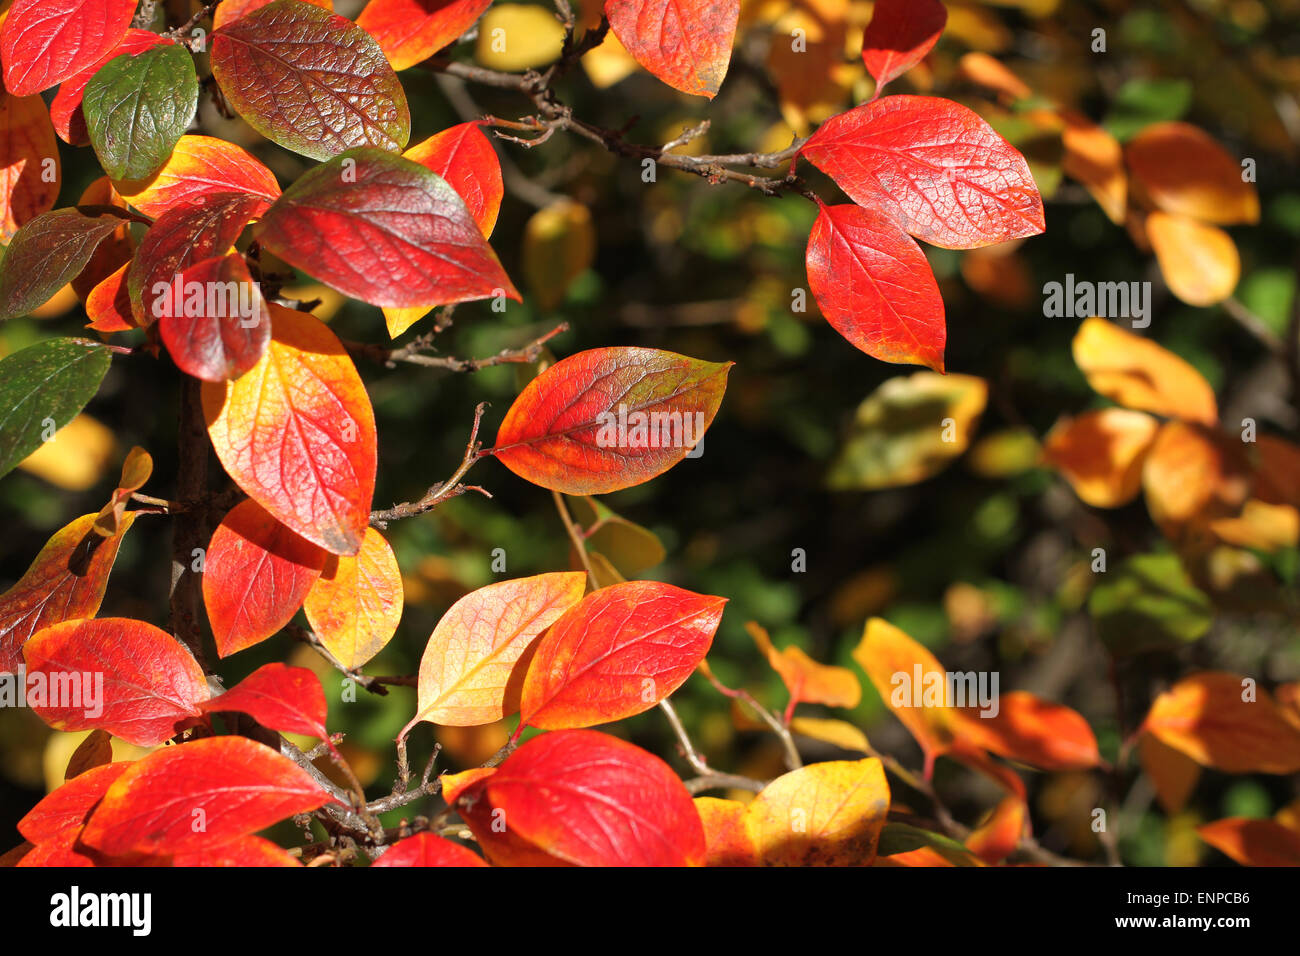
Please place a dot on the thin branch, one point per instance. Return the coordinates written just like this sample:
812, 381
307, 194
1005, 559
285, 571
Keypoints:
575, 535
415, 353
445, 490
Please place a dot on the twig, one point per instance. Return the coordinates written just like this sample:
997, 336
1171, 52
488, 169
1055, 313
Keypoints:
574, 535
444, 490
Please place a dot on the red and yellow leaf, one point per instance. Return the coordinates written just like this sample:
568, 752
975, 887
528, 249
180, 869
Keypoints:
27, 146
409, 31
609, 418
472, 670
356, 603
198, 796
1253, 842
241, 851
144, 680
256, 574
685, 43
875, 286
934, 165
616, 653
297, 433
65, 108
200, 166
67, 807
726, 837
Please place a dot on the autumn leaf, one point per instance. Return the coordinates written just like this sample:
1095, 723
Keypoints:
238, 786
589, 799
256, 574
464, 157
1101, 453
137, 468
242, 851
1031, 730
67, 807
951, 180
288, 699
46, 254
610, 418
297, 433
616, 653
1192, 475
1222, 721
875, 287
108, 306
726, 837
65, 582
825, 814
231, 10
1253, 842
1139, 374
356, 602
899, 35
472, 669
385, 230
1173, 774
150, 682
685, 43
182, 237
199, 166
1200, 263
1181, 170
43, 42
998, 837
1095, 158
215, 323
409, 31
28, 157
425, 849
310, 80
807, 680
95, 750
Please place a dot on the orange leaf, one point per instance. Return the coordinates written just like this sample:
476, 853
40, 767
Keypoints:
1094, 157
65, 582
67, 807
26, 143
1183, 171
1100, 453
617, 652
1253, 842
1192, 475
241, 851
356, 603
472, 670
1172, 772
806, 679
108, 306
998, 836
426, 849
1033, 731
1137, 373
1200, 263
1206, 717
200, 166
726, 838
409, 31
826, 814
297, 433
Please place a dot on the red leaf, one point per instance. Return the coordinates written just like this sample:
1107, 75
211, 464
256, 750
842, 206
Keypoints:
384, 230
288, 699
935, 165
875, 287
67, 807
44, 42
297, 433
685, 43
310, 80
215, 322
409, 31
464, 157
900, 34
617, 652
183, 237
425, 849
109, 304
242, 851
594, 800
66, 581
609, 418
144, 680
199, 795
65, 108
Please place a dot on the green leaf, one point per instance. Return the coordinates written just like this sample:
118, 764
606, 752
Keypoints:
1141, 102
48, 382
903, 838
45, 255
1148, 603
137, 107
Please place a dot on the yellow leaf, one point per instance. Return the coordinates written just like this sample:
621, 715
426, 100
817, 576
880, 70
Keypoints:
1137, 373
1199, 262
76, 457
826, 814
806, 679
1181, 170
355, 604
513, 37
840, 733
559, 245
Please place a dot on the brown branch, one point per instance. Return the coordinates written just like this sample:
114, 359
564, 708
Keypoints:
414, 353
444, 490
188, 528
